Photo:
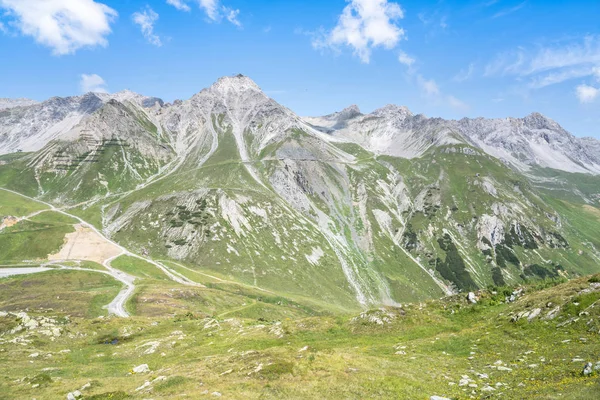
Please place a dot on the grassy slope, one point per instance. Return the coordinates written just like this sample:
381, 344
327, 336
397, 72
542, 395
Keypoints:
567, 186
29, 240
77, 293
346, 357
17, 206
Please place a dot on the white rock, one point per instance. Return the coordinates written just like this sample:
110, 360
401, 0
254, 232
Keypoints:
534, 314
144, 386
471, 298
587, 370
141, 369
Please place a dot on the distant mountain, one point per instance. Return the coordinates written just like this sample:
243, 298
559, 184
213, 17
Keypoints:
520, 142
349, 209
11, 103
27, 125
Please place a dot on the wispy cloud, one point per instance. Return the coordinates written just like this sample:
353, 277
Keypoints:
465, 74
363, 26
431, 90
179, 4
232, 16
65, 26
549, 65
456, 103
509, 11
146, 20
92, 83
428, 86
405, 59
214, 10
553, 64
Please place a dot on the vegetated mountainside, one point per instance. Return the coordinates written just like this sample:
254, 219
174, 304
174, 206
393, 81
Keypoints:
356, 213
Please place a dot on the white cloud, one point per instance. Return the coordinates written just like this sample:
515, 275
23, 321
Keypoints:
232, 16
431, 90
444, 22
92, 83
2, 28
365, 25
179, 4
465, 74
146, 20
65, 26
586, 93
456, 103
405, 59
428, 86
509, 11
213, 9
552, 78
550, 65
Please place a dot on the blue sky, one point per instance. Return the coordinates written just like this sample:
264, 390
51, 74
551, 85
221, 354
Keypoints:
442, 58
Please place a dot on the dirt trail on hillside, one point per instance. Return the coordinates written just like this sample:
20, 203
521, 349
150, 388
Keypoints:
85, 244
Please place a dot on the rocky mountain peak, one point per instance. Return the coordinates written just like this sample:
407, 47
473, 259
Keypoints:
538, 121
350, 112
237, 83
392, 110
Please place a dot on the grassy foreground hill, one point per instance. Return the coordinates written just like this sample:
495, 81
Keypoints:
534, 347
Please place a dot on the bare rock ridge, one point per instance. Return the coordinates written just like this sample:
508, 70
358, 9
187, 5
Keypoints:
11, 103
393, 130
520, 142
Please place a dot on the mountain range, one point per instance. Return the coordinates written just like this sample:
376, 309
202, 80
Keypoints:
348, 210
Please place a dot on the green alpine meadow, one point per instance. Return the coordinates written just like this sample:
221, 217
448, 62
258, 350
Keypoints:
223, 246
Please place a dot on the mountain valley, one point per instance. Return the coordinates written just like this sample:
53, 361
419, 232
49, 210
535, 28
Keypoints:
252, 232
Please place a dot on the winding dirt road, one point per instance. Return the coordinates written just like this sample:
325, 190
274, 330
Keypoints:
117, 306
